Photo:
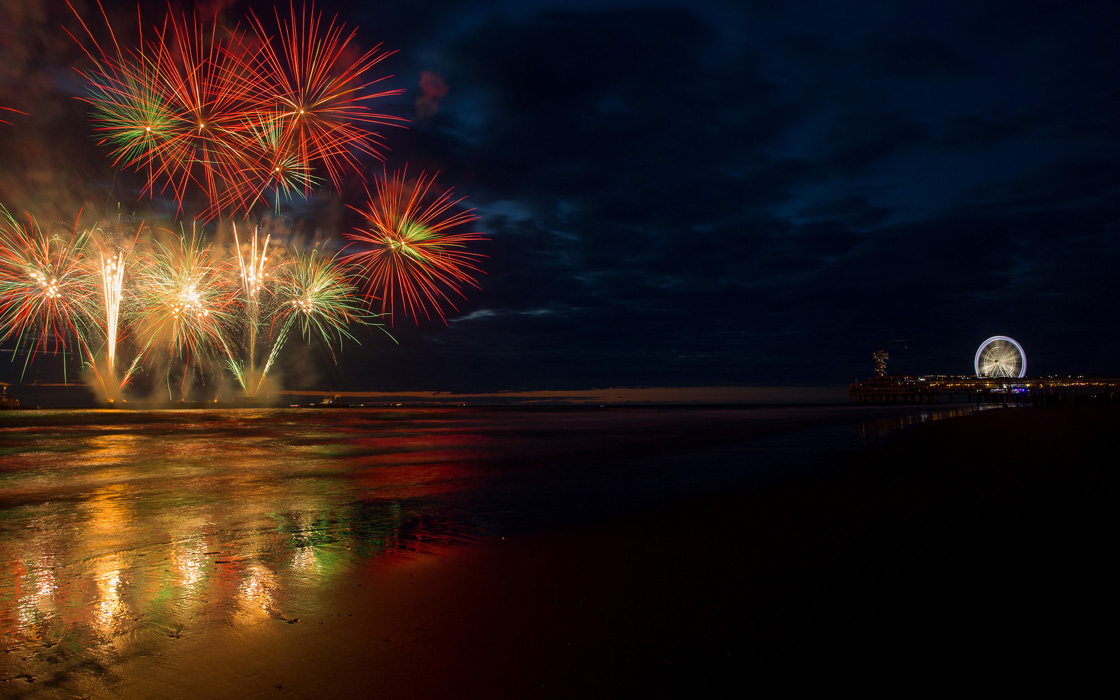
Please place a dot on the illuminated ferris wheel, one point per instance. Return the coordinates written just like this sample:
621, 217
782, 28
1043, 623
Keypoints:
1000, 356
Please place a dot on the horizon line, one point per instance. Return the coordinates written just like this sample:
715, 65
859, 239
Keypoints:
655, 394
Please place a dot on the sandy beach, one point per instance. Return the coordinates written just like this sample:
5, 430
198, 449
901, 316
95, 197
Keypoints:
967, 552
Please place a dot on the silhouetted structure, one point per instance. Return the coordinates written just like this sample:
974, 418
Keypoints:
936, 389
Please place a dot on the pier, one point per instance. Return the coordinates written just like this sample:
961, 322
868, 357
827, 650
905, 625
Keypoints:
939, 389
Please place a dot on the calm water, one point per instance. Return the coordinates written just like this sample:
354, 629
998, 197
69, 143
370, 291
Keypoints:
121, 530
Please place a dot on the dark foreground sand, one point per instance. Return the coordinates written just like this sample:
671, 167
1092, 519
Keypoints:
967, 553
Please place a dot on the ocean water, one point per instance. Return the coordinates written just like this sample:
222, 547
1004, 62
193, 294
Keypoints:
122, 530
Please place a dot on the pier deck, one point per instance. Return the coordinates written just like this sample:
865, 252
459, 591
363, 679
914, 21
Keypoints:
936, 389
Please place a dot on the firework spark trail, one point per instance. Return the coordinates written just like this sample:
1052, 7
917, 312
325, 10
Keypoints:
43, 285
414, 257
315, 294
186, 298
135, 119
10, 109
110, 271
254, 274
112, 283
128, 106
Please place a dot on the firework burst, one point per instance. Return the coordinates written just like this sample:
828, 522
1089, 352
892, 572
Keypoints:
45, 291
317, 91
185, 298
177, 106
272, 164
255, 275
414, 256
209, 81
236, 114
316, 294
133, 116
236, 117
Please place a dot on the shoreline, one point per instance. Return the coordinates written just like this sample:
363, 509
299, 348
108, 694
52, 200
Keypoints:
959, 550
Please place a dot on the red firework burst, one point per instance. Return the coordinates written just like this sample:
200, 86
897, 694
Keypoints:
414, 258
317, 92
208, 81
44, 287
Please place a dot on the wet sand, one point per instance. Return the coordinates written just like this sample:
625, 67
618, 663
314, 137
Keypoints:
968, 552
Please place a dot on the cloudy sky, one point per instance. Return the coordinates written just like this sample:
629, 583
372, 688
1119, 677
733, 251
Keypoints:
703, 193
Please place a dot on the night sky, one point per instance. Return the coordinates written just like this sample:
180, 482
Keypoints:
700, 193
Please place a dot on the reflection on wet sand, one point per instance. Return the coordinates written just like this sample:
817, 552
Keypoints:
113, 597
123, 532
116, 538
881, 427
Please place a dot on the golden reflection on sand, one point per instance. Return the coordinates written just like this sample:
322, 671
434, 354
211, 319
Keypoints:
256, 594
188, 561
110, 449
117, 581
38, 585
110, 611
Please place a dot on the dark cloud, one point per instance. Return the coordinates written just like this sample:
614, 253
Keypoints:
975, 131
861, 140
852, 210
1055, 184
916, 57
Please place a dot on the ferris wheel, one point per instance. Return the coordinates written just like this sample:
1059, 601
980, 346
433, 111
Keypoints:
1000, 356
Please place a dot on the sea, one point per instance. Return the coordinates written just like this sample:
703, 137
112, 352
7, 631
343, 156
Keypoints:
121, 530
